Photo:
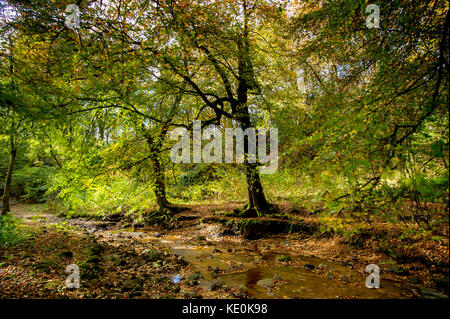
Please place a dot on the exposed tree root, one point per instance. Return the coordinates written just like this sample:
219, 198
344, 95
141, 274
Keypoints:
164, 214
248, 212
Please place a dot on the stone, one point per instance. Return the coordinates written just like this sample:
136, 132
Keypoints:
309, 266
211, 285
266, 283
196, 276
272, 294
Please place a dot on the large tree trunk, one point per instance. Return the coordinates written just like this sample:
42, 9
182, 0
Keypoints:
158, 171
155, 146
160, 183
6, 193
257, 200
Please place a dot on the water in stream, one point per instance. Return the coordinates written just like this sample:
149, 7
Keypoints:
239, 266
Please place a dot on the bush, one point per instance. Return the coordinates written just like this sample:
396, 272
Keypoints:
433, 189
9, 231
31, 183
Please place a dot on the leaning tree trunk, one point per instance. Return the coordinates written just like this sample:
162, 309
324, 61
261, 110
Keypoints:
7, 190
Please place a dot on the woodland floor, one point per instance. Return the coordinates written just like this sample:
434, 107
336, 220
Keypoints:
217, 256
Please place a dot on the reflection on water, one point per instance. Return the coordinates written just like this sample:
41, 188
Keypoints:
241, 267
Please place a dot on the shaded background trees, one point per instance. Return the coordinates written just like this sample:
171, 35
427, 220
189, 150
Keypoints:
362, 113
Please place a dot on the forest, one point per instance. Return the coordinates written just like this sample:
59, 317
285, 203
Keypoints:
217, 149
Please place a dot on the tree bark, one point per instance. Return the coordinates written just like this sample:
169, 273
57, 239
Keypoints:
158, 171
257, 200
160, 183
7, 190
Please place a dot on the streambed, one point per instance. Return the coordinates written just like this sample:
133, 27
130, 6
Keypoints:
264, 271
274, 274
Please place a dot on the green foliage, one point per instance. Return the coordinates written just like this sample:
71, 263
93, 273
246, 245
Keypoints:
10, 232
32, 182
362, 113
430, 188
